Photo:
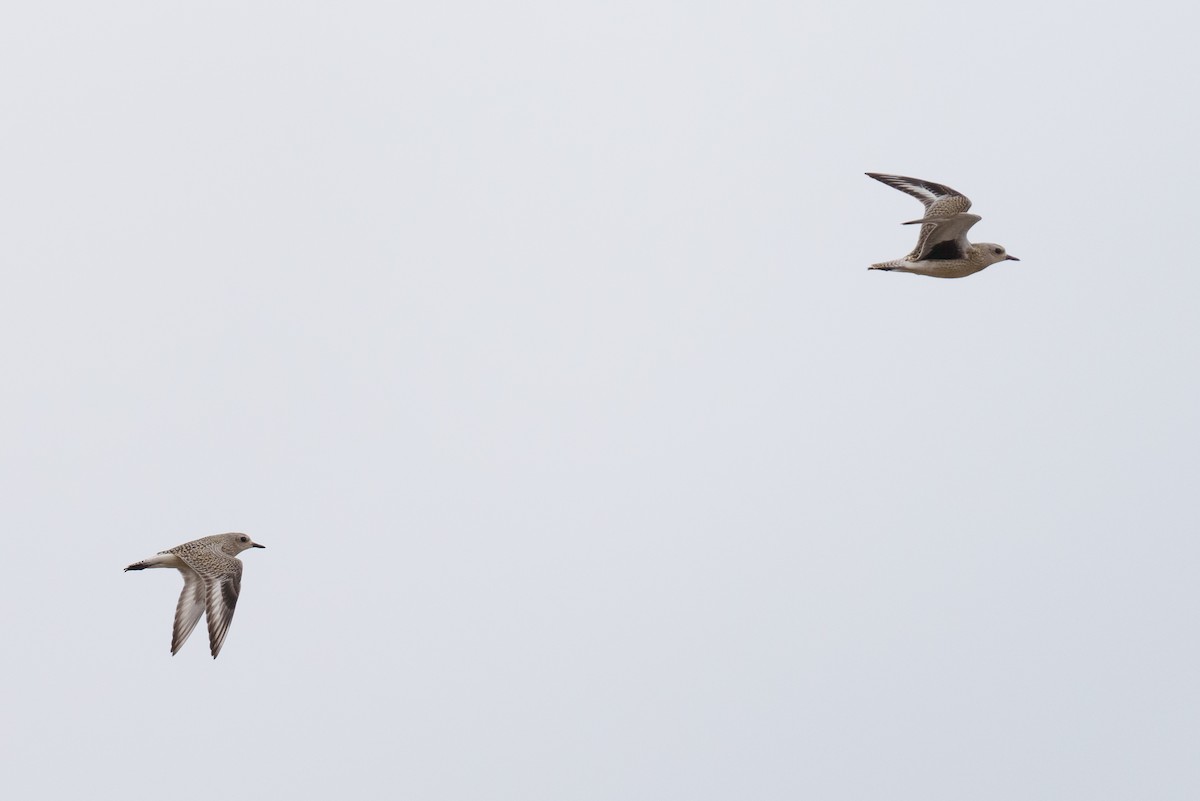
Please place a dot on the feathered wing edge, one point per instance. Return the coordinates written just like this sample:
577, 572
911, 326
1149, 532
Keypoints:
927, 192
222, 597
189, 608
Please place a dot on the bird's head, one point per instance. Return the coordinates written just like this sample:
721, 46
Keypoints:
236, 543
993, 252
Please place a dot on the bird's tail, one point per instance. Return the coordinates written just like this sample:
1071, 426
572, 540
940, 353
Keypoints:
894, 264
158, 560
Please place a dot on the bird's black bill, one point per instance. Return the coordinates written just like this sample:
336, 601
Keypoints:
1012, 258
256, 545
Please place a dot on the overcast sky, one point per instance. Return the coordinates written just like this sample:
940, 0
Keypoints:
535, 340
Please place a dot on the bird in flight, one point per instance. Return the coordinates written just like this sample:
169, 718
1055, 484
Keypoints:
942, 249
212, 581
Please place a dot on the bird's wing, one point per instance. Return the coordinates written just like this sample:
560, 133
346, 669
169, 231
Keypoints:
943, 237
221, 575
223, 590
189, 609
939, 201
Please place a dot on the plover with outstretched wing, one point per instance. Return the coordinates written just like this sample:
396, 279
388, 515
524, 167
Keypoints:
942, 249
212, 582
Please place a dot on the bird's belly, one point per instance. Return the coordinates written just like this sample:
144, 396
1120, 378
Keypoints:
944, 268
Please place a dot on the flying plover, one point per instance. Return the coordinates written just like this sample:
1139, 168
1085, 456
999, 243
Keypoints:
942, 248
212, 580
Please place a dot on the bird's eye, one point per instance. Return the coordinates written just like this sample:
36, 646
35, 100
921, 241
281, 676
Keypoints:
999, 250
247, 539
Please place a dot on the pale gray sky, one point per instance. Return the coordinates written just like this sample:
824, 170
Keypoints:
536, 342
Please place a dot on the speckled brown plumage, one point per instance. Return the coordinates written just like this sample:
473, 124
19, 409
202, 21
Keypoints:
212, 581
942, 248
